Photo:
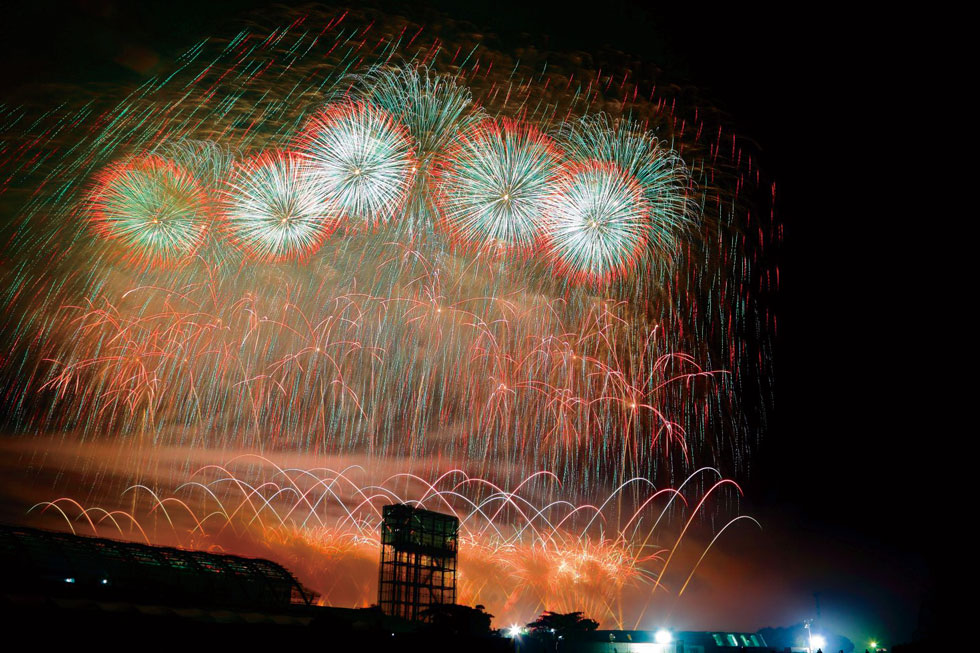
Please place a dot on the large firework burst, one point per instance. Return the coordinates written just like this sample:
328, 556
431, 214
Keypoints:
153, 207
361, 159
274, 210
435, 109
661, 173
495, 183
597, 222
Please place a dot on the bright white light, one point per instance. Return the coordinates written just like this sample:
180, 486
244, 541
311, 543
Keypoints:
361, 160
69, 580
514, 631
817, 641
663, 636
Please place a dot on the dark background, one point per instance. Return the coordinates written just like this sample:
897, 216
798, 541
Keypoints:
850, 456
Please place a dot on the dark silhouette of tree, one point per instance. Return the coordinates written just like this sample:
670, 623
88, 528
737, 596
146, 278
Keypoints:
564, 625
460, 620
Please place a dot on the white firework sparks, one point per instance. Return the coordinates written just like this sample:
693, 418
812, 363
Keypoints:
495, 185
275, 210
361, 159
597, 222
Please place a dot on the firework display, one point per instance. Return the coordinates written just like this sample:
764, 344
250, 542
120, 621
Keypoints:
155, 209
495, 186
435, 110
515, 551
661, 173
598, 222
361, 161
276, 209
347, 239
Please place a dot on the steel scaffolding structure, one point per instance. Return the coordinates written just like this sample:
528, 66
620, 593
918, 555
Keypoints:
418, 561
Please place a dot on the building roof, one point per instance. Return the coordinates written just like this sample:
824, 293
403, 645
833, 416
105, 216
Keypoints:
51, 563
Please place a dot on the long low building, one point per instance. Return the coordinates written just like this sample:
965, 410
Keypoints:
649, 641
38, 562
60, 589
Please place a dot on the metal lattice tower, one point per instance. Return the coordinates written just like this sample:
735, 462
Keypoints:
418, 561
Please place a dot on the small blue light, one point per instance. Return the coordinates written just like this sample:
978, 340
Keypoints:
69, 580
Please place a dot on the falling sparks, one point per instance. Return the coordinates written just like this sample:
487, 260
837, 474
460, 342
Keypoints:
291, 245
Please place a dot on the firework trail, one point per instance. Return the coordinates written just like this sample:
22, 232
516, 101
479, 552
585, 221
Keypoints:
599, 322
519, 554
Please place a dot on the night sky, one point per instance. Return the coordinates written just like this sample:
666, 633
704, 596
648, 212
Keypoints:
841, 480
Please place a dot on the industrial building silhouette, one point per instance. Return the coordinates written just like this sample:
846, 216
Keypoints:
61, 588
60, 564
